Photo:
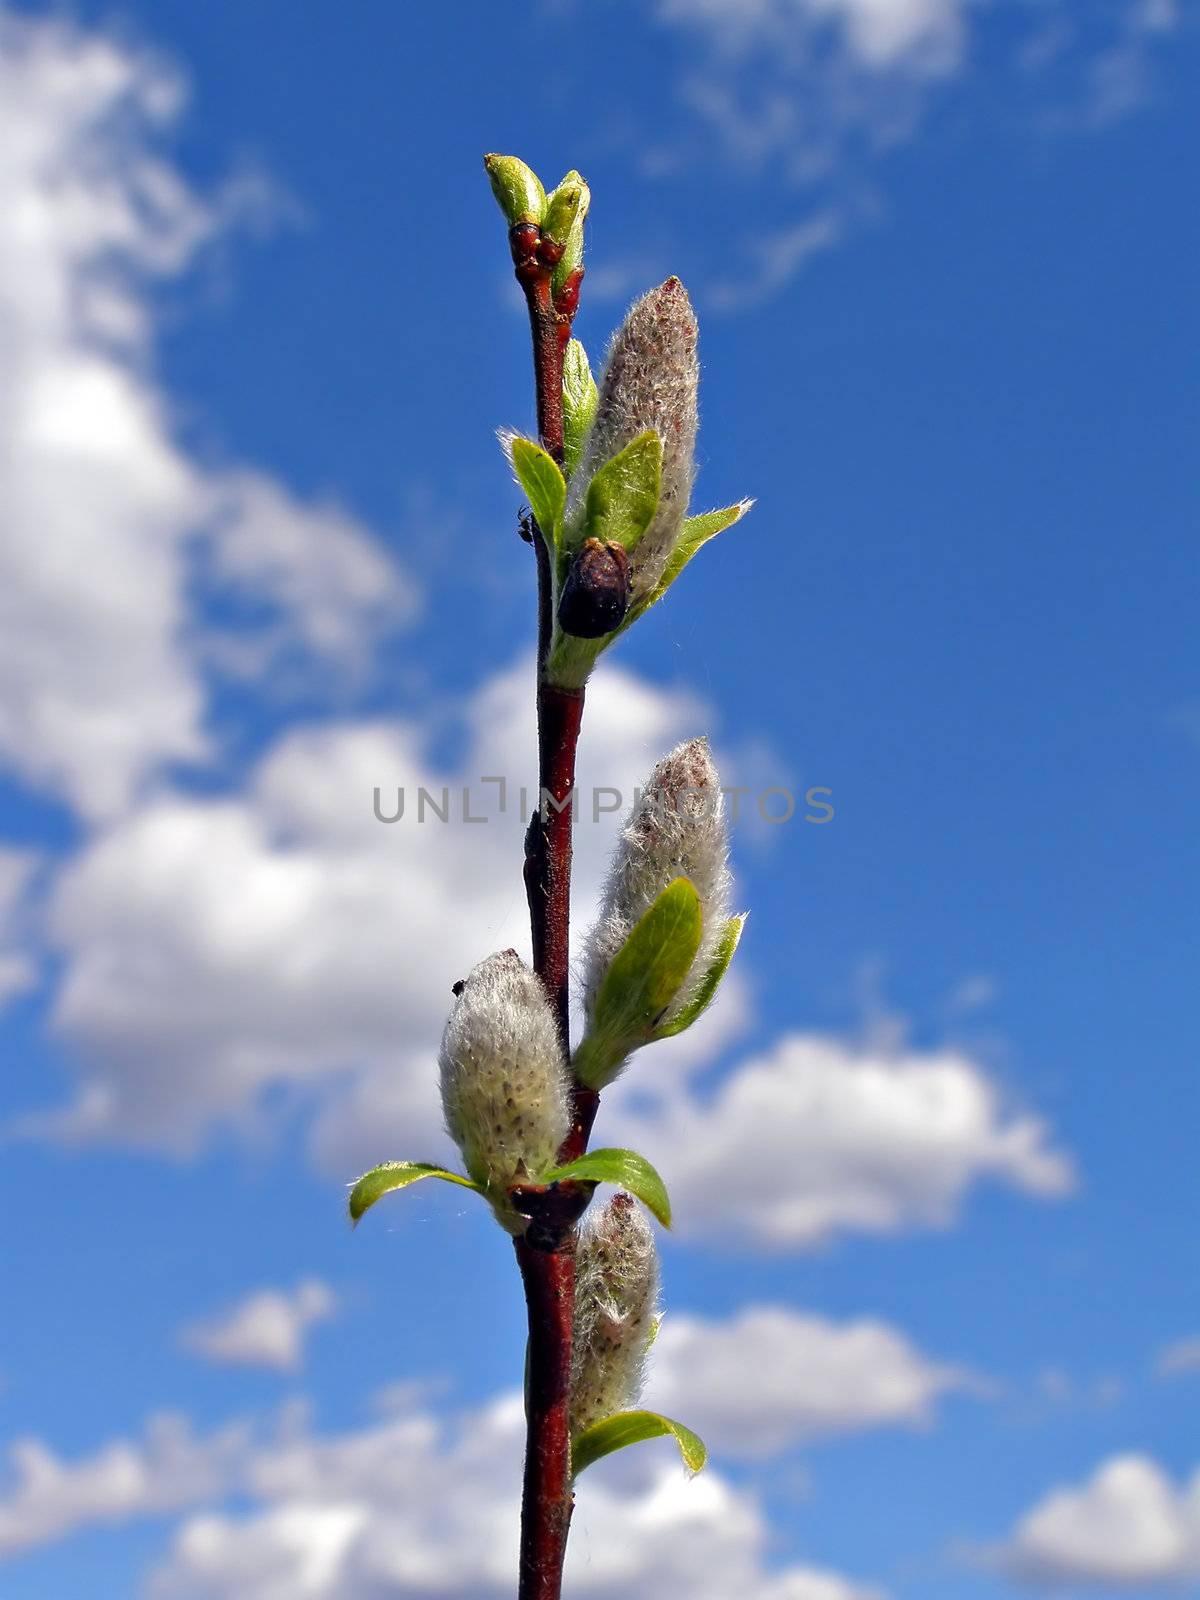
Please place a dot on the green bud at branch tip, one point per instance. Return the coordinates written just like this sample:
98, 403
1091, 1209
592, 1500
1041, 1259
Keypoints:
565, 207
517, 188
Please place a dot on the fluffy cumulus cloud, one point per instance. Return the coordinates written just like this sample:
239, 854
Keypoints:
105, 521
169, 1468
267, 943
406, 1505
771, 1378
820, 1137
266, 1329
1129, 1527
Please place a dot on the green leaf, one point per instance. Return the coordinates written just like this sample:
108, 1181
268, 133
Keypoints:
580, 397
627, 1170
631, 1427
711, 981
398, 1175
539, 475
645, 976
623, 496
696, 533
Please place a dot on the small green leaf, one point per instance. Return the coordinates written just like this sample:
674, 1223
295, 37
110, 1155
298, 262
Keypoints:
623, 496
580, 397
398, 1175
627, 1170
711, 981
631, 1427
539, 475
645, 976
696, 533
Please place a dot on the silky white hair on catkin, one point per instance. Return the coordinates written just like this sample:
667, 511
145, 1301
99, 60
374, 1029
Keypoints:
616, 1305
651, 381
677, 828
505, 1091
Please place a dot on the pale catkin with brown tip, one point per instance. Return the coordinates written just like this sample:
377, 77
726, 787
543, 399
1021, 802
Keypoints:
676, 829
505, 1092
650, 382
616, 1307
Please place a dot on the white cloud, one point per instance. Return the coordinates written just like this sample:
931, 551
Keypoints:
1128, 1527
884, 31
332, 589
103, 517
1179, 1359
818, 1137
266, 1329
18, 967
407, 1505
410, 1506
45, 1498
770, 1378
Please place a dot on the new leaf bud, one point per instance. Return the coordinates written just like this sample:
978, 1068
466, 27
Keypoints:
566, 208
572, 257
650, 382
616, 1301
676, 829
504, 1084
517, 188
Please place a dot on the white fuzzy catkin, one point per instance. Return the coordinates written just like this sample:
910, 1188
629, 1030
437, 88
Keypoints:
676, 829
651, 381
504, 1085
616, 1302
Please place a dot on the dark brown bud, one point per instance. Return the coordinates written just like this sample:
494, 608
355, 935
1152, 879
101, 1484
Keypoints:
595, 596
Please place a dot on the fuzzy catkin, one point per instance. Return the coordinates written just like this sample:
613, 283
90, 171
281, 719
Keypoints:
504, 1085
677, 828
616, 1301
651, 381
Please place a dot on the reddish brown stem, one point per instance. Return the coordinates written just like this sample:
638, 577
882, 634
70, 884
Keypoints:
546, 1256
547, 1501
548, 845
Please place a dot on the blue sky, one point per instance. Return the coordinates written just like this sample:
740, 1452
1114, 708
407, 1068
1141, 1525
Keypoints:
931, 1295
